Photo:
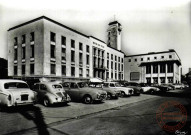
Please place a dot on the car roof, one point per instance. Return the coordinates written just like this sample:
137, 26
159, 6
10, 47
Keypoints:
2, 81
48, 83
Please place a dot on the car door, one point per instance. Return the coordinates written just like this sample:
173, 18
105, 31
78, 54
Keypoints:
74, 91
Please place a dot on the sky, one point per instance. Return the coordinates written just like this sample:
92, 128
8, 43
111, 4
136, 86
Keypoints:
147, 25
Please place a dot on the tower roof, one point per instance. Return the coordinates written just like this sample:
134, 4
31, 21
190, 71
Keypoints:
114, 22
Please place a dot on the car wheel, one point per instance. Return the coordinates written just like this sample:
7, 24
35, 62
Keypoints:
46, 102
108, 96
152, 91
122, 94
87, 99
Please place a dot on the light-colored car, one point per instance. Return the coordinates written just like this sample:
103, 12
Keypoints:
15, 93
50, 93
124, 90
148, 89
178, 86
80, 91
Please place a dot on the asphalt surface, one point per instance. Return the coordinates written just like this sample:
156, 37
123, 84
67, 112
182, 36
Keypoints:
132, 115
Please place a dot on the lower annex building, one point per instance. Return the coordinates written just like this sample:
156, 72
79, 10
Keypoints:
153, 67
44, 48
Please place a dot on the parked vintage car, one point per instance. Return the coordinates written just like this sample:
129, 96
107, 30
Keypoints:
148, 89
51, 93
135, 86
80, 91
178, 85
117, 86
163, 88
15, 93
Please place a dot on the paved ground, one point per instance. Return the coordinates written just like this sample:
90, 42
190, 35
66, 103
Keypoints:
43, 120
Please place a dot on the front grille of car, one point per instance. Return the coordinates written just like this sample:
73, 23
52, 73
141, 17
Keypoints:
24, 97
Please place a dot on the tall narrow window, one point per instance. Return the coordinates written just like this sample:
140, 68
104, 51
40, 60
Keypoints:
87, 60
87, 48
80, 58
72, 43
155, 68
80, 46
121, 67
23, 52
87, 72
32, 36
170, 68
115, 66
63, 53
111, 56
148, 69
23, 39
52, 68
15, 41
23, 69
15, 54
15, 70
52, 53
80, 72
107, 55
52, 37
63, 70
170, 56
31, 68
72, 56
72, 71
111, 65
162, 68
32, 51
63, 40
107, 63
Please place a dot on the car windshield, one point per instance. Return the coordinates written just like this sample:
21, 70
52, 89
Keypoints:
82, 84
56, 86
15, 85
117, 85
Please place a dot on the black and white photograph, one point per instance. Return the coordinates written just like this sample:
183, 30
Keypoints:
95, 67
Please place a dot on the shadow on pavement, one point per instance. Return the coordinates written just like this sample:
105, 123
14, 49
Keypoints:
33, 113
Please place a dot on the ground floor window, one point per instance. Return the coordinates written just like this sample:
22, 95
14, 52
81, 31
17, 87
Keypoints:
148, 80
170, 79
162, 79
155, 80
72, 71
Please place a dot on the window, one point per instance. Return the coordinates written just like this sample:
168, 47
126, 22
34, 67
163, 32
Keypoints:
72, 43
170, 68
23, 39
111, 74
107, 63
135, 60
87, 60
94, 51
15, 54
102, 53
115, 75
162, 79
115, 66
31, 68
52, 37
32, 51
72, 71
15, 70
121, 60
52, 49
148, 58
15, 41
63, 53
170, 56
170, 79
148, 69
23, 69
72, 56
129, 60
98, 52
111, 56
63, 40
155, 79
155, 58
162, 68
119, 67
81, 72
80, 46
155, 68
80, 58
162, 57
141, 59
108, 55
63, 70
32, 36
115, 58
23, 52
52, 68
87, 72
87, 48
111, 65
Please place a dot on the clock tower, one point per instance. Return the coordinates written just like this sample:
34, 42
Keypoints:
114, 35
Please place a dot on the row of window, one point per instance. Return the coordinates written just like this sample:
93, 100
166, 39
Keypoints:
52, 70
23, 39
162, 80
120, 76
119, 67
119, 59
162, 68
148, 58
